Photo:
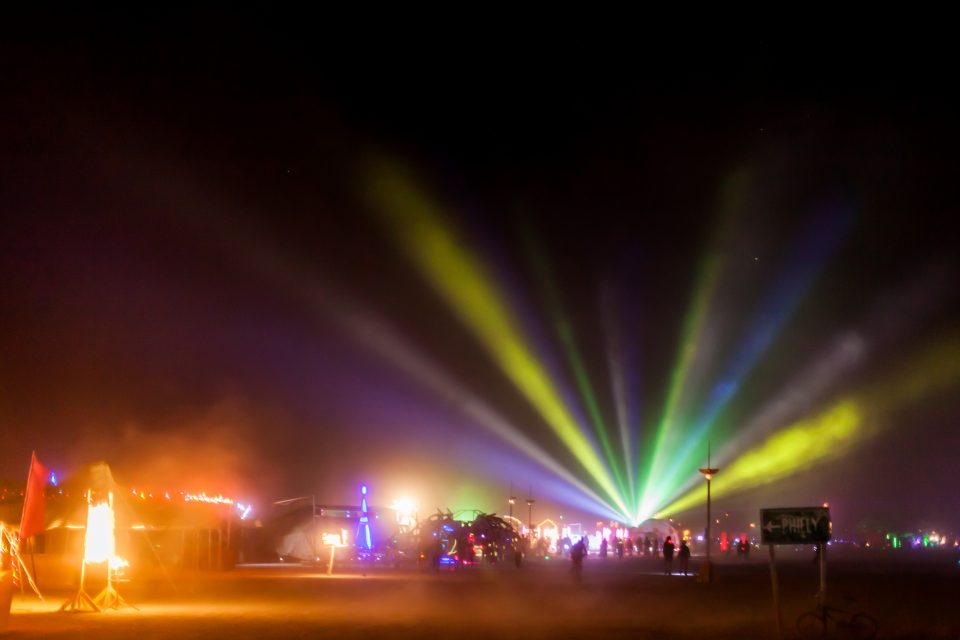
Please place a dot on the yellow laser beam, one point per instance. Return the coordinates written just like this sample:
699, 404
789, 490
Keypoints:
832, 433
798, 447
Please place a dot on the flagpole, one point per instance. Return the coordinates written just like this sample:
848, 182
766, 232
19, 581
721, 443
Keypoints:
33, 562
26, 493
23, 514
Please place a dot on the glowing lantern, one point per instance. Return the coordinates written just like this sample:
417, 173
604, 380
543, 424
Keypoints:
334, 539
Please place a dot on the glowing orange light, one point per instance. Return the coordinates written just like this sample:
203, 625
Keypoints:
203, 497
100, 545
243, 510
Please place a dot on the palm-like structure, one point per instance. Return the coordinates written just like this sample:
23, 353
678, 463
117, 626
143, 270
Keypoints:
494, 534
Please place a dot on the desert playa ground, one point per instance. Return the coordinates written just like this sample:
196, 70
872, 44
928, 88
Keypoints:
910, 597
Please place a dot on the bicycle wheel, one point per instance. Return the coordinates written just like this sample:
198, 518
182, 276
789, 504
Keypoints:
863, 626
810, 625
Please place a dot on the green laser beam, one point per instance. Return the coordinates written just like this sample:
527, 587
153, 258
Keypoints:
688, 348
615, 364
731, 203
561, 323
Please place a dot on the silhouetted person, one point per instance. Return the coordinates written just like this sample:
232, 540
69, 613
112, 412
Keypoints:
542, 547
629, 546
577, 553
684, 556
436, 550
619, 549
465, 551
603, 548
668, 556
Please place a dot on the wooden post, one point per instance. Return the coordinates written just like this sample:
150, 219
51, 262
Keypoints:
333, 549
33, 562
823, 574
81, 601
775, 586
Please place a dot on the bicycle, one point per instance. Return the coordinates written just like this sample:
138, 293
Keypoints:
814, 624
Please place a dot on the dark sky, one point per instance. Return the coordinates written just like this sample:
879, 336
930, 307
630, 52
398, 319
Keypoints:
157, 171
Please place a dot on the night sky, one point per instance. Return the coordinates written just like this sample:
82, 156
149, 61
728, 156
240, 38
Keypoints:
190, 258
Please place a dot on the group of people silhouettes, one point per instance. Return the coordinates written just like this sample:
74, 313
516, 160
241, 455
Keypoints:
579, 550
683, 555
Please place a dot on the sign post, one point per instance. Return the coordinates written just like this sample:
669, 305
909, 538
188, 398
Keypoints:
802, 525
796, 526
823, 573
333, 540
775, 587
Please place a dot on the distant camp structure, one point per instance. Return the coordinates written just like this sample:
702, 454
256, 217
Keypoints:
158, 535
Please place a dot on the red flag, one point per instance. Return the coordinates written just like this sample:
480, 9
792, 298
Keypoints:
34, 499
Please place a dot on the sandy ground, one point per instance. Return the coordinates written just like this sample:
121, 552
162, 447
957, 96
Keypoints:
911, 597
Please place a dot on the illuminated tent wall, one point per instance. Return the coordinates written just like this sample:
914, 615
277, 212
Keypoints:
296, 534
156, 536
656, 530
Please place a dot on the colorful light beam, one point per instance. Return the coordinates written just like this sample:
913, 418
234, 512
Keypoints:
617, 359
249, 244
798, 447
377, 336
807, 260
893, 314
692, 326
460, 279
835, 431
565, 333
668, 429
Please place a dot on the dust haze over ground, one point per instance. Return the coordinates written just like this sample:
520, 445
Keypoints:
630, 598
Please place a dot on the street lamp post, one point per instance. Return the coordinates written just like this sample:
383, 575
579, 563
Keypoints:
706, 571
530, 502
512, 500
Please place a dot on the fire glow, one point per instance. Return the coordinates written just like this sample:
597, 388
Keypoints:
244, 510
100, 542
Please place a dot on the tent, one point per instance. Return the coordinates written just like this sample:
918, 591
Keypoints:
156, 533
